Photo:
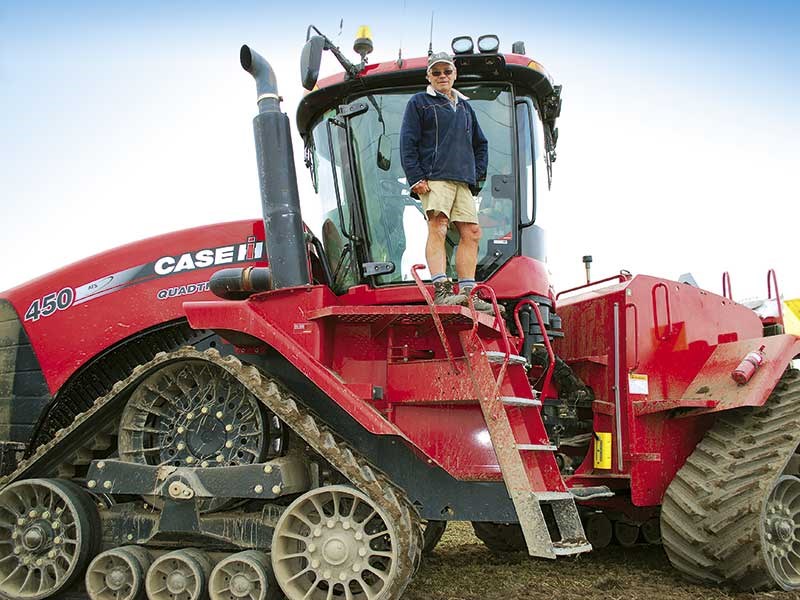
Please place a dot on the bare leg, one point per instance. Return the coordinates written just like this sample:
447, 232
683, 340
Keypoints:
434, 248
467, 252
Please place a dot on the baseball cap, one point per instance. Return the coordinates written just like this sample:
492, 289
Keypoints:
440, 57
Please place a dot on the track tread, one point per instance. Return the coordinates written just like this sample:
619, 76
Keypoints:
712, 511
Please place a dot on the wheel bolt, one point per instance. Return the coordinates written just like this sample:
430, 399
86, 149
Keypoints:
181, 446
258, 489
219, 414
101, 465
346, 525
92, 484
33, 514
362, 552
52, 554
326, 574
204, 464
57, 540
107, 485
331, 523
204, 410
315, 564
190, 416
189, 460
17, 550
46, 514
56, 524
220, 458
20, 521
39, 562
267, 468
276, 489
14, 535
342, 576
181, 429
312, 547
229, 444
358, 535
59, 510
317, 532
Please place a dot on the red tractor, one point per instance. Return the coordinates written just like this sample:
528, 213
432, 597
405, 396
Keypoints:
269, 407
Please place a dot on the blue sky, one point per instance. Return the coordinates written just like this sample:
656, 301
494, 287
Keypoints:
678, 137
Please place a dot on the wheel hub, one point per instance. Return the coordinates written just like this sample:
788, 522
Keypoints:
34, 538
783, 528
240, 586
176, 582
116, 579
335, 550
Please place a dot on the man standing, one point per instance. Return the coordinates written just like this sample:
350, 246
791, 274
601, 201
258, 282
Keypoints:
444, 154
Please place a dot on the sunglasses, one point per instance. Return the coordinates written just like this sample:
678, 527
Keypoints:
447, 72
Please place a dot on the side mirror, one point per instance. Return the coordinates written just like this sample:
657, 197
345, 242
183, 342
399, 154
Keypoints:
384, 152
310, 60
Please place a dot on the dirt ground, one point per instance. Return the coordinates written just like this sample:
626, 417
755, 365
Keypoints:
462, 568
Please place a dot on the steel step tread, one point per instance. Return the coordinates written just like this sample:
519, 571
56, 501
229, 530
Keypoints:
515, 401
537, 447
497, 357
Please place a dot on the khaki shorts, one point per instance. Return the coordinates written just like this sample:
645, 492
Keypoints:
452, 198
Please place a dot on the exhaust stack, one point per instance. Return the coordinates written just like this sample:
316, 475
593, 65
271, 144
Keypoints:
280, 201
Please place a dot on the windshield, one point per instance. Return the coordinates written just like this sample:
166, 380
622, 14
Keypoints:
394, 222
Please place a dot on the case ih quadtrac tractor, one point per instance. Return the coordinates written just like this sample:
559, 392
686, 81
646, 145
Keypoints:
269, 407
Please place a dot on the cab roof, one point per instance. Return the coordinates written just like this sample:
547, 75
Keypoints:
336, 89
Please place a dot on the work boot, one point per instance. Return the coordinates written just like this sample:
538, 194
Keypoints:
443, 294
481, 305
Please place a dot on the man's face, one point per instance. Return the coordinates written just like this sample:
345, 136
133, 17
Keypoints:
441, 76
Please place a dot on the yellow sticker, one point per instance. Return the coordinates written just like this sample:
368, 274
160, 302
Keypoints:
637, 384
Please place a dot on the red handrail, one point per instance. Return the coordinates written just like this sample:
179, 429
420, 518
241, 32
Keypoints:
620, 277
437, 322
551, 356
772, 278
668, 329
726, 286
501, 324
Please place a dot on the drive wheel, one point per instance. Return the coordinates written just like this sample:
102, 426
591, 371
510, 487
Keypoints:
335, 542
48, 533
196, 414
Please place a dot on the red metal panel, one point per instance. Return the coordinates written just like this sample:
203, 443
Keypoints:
121, 292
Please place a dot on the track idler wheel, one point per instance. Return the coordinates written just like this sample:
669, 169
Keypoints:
118, 574
247, 575
48, 533
500, 537
598, 529
179, 575
335, 542
651, 531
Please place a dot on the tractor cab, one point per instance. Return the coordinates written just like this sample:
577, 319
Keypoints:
372, 230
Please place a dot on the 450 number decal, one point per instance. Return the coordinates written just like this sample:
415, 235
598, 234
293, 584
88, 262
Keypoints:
44, 307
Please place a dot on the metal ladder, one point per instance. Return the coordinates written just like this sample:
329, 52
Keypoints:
545, 507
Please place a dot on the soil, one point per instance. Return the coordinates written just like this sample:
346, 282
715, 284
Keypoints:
462, 568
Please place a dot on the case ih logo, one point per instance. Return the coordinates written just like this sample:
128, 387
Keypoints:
250, 250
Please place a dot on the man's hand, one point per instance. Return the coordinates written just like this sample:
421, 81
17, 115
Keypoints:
421, 187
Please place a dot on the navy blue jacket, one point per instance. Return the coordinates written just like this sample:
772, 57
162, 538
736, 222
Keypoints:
438, 143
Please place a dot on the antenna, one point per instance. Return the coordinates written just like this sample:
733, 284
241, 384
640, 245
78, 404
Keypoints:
341, 26
402, 20
430, 44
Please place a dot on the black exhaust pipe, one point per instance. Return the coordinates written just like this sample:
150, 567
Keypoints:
280, 201
240, 284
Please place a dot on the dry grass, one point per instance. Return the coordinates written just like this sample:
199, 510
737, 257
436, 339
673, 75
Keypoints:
462, 568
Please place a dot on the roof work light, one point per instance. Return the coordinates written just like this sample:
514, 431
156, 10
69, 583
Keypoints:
462, 45
363, 43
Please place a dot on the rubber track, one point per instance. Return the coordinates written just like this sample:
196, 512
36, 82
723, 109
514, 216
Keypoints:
280, 401
712, 510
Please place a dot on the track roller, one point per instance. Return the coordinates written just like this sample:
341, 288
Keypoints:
245, 575
118, 574
626, 533
179, 575
651, 531
48, 532
598, 528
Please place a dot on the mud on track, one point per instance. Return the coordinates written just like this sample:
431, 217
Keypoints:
462, 568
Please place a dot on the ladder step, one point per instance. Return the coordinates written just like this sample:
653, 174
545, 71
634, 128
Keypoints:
537, 447
497, 357
552, 496
591, 492
514, 401
570, 548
